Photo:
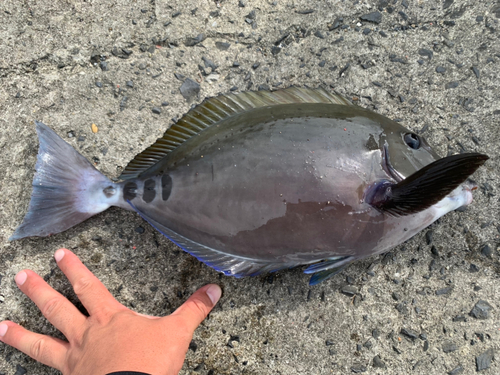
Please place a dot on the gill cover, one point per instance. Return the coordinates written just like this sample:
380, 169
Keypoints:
404, 151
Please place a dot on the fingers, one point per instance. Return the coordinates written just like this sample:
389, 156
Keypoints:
92, 293
197, 307
55, 307
47, 350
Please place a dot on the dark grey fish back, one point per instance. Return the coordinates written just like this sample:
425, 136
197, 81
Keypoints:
215, 109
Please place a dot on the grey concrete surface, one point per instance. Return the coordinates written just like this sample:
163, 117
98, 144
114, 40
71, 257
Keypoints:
411, 306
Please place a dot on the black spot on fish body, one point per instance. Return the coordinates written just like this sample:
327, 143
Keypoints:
129, 191
166, 186
371, 144
149, 190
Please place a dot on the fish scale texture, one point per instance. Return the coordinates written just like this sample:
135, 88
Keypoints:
70, 66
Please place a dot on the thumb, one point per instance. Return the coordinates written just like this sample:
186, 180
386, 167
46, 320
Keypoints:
197, 307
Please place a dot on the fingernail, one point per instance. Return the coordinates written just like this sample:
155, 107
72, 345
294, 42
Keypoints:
214, 292
3, 329
59, 255
21, 278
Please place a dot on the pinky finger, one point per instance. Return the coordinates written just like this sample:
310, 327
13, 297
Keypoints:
45, 349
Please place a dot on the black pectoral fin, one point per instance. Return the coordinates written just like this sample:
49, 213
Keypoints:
425, 187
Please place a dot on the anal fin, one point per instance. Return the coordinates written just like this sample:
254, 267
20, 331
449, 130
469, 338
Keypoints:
328, 268
325, 275
327, 264
229, 264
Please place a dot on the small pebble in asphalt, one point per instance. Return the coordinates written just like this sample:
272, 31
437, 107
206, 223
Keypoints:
375, 17
426, 53
473, 268
349, 290
429, 234
486, 250
476, 71
378, 363
409, 333
459, 318
357, 369
483, 361
449, 347
223, 46
481, 310
444, 291
189, 89
457, 370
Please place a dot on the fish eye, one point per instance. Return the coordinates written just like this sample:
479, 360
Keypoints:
412, 140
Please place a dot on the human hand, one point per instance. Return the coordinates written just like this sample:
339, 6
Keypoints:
113, 338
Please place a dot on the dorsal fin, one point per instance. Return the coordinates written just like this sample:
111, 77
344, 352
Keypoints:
215, 109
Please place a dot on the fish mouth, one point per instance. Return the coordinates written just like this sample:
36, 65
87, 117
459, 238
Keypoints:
460, 197
468, 187
387, 166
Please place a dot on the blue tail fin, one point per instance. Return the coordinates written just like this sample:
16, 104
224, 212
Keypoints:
67, 189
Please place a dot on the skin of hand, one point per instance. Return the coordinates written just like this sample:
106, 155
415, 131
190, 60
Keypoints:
112, 338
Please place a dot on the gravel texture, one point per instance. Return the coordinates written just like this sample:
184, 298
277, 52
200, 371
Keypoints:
429, 306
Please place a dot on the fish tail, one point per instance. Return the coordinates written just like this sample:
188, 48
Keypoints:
67, 189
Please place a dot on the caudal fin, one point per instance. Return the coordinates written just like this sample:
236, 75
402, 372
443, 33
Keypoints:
67, 189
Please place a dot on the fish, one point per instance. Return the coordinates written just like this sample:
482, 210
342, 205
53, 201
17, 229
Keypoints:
258, 182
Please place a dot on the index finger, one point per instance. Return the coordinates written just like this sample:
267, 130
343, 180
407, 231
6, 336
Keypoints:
90, 291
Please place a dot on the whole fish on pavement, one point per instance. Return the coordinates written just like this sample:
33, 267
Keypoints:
262, 181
